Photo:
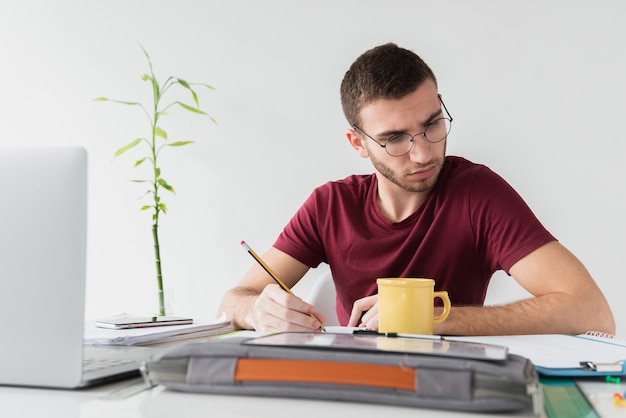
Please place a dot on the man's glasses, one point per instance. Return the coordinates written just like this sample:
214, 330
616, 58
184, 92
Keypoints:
401, 144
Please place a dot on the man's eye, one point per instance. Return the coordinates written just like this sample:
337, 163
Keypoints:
435, 123
397, 138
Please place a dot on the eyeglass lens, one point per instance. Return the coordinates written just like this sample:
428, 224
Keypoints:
401, 144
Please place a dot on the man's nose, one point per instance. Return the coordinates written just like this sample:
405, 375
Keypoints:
421, 151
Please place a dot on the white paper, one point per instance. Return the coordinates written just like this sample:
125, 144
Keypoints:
135, 336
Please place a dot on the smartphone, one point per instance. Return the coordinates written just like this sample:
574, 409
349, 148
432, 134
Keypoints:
126, 322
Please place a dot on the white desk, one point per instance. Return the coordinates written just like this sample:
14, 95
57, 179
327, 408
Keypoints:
600, 395
157, 403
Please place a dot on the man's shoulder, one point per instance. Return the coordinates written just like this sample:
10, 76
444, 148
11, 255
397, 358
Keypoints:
352, 182
455, 164
351, 190
460, 173
462, 169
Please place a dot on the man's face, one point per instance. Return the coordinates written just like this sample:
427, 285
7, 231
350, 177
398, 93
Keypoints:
418, 170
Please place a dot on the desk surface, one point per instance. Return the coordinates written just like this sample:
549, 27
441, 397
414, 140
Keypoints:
600, 394
157, 402
112, 401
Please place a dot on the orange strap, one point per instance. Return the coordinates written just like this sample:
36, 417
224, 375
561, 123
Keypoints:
316, 371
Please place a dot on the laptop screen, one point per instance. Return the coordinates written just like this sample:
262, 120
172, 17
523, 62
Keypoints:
43, 217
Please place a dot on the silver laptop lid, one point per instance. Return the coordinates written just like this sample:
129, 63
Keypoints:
43, 211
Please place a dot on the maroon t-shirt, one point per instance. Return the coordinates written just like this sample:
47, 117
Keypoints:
472, 224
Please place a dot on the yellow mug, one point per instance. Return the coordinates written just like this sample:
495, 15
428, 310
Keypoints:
406, 305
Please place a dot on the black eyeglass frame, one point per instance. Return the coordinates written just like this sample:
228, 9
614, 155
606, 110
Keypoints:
423, 133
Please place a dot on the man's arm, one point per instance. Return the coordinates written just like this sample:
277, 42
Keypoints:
566, 301
258, 303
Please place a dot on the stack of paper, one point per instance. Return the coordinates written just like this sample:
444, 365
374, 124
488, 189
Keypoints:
155, 335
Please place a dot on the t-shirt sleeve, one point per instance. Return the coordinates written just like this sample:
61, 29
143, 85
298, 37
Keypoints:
506, 228
301, 237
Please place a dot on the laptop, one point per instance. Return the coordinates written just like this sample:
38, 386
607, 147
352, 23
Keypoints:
43, 239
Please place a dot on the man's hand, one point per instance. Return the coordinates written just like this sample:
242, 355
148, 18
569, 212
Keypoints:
275, 310
259, 303
365, 313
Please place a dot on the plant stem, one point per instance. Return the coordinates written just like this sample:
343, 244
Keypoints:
157, 207
157, 258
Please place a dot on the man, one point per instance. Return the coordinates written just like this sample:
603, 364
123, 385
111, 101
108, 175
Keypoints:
421, 214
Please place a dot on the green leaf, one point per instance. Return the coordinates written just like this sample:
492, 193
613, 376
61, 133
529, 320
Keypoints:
146, 194
105, 99
149, 62
188, 87
195, 97
146, 207
160, 132
155, 86
190, 108
139, 162
163, 207
166, 186
208, 86
179, 143
145, 52
168, 83
127, 147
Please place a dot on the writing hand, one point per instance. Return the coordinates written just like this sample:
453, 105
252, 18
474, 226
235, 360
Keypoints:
278, 311
365, 313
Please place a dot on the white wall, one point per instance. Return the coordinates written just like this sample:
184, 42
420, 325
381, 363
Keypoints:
536, 89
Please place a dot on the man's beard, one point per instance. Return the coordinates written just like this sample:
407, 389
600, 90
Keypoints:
419, 186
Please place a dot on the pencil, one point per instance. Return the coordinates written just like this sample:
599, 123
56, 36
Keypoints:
274, 276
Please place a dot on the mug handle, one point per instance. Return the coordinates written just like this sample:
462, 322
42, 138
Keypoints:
443, 295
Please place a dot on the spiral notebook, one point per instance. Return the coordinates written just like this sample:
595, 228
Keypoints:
590, 354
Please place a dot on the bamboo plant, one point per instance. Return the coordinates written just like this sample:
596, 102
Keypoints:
153, 145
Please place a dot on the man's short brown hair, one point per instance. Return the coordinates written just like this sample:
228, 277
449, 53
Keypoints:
386, 71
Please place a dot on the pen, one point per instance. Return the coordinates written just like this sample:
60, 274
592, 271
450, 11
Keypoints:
275, 276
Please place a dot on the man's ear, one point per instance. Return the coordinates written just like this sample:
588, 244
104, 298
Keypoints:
356, 142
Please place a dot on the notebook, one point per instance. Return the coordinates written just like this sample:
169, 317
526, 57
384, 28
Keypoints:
43, 237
